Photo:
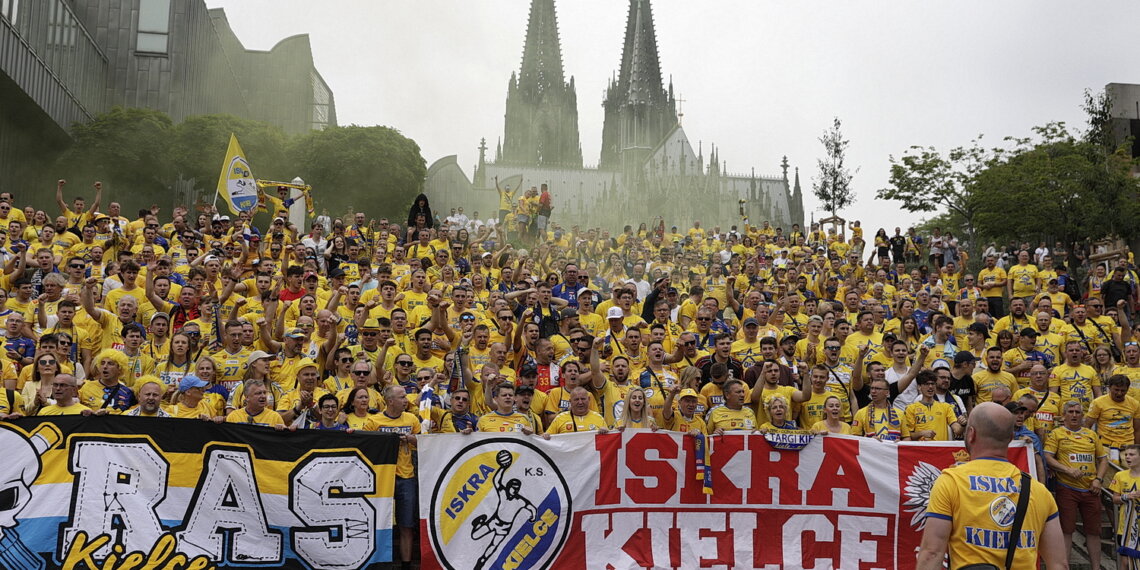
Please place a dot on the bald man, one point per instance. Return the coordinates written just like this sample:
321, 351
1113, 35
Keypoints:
972, 506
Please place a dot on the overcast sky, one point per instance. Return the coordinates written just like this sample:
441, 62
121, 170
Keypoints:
760, 79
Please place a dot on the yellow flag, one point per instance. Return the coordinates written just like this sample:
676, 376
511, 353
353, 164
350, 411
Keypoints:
236, 184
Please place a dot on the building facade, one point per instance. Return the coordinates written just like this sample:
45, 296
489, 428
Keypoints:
647, 168
66, 61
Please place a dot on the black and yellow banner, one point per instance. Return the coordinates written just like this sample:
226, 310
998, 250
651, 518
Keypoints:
125, 492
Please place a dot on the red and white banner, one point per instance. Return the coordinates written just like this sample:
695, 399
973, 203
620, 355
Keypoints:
636, 500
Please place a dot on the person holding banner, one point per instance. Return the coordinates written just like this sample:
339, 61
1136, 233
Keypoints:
579, 417
504, 418
974, 507
395, 418
777, 412
832, 422
1125, 487
879, 419
685, 418
66, 395
732, 415
256, 411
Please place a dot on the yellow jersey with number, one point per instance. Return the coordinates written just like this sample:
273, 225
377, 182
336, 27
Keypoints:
1075, 449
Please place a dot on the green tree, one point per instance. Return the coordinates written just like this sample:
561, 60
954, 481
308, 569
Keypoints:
129, 150
1057, 185
374, 169
200, 144
926, 181
833, 184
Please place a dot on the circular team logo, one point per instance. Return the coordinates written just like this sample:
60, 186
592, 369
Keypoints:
1003, 511
500, 503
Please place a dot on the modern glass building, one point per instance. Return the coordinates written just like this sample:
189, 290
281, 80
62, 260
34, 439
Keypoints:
65, 61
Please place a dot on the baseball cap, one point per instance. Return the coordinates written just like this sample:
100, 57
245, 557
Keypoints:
1015, 407
309, 274
1029, 331
791, 337
338, 272
255, 356
569, 313
295, 333
158, 315
615, 313
751, 321
529, 370
686, 393
964, 358
191, 381
940, 364
306, 363
371, 325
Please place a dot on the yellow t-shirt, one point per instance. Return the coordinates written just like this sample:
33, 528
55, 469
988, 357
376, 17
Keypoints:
987, 277
497, 422
979, 499
267, 417
404, 424
883, 423
731, 420
1048, 408
937, 417
72, 410
1114, 419
1124, 482
686, 425
567, 422
1024, 280
1078, 449
1075, 382
985, 382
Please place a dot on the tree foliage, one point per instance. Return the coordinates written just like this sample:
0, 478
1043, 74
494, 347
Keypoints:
139, 154
200, 148
832, 186
926, 181
363, 167
1056, 184
129, 150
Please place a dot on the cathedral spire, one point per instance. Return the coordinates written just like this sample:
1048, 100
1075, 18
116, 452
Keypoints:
541, 127
639, 112
542, 52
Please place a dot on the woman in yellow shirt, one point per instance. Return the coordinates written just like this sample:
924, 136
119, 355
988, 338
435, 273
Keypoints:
357, 412
833, 419
777, 407
635, 414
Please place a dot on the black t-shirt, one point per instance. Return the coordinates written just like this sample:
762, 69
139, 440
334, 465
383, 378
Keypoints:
898, 244
1112, 291
962, 387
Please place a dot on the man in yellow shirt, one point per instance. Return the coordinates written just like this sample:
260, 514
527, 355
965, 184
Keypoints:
504, 418
256, 410
928, 419
1023, 280
961, 508
1115, 417
395, 418
992, 280
579, 417
1074, 380
732, 415
1076, 455
985, 381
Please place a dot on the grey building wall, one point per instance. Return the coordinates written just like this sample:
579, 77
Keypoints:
66, 61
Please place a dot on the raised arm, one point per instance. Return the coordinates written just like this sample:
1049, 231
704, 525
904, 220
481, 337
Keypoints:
59, 195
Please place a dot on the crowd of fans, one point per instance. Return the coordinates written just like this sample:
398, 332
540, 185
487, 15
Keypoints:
443, 326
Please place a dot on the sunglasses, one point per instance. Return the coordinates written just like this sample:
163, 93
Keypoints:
690, 343
370, 333
360, 373
344, 359
47, 362
77, 266
403, 363
467, 318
